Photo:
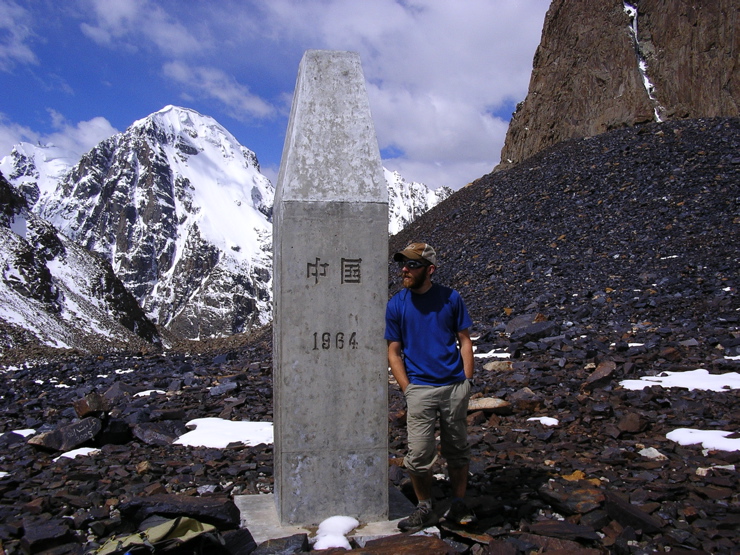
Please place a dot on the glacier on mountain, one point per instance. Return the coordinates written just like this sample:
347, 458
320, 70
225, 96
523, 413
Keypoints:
37, 169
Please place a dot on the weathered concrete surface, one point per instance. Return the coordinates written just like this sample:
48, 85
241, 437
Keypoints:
330, 288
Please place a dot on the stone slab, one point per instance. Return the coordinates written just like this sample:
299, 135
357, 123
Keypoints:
259, 515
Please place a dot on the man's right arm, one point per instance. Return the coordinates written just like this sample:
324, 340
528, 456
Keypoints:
395, 361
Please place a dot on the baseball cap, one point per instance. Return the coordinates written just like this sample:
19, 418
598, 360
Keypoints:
417, 251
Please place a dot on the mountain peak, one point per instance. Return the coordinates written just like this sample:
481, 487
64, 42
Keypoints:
408, 200
177, 118
176, 113
182, 212
184, 127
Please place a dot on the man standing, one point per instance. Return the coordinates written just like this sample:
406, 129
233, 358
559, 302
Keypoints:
430, 354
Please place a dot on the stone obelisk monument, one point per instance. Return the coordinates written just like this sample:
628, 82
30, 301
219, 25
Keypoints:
330, 377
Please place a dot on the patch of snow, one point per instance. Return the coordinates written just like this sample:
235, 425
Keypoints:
218, 433
493, 354
332, 532
149, 392
699, 379
79, 452
44, 165
717, 440
642, 66
19, 225
544, 420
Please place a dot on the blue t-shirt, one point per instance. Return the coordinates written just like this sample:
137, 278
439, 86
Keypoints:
426, 326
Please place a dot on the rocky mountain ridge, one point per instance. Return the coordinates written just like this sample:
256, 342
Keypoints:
183, 214
409, 200
616, 64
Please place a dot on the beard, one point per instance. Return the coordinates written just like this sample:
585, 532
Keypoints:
414, 280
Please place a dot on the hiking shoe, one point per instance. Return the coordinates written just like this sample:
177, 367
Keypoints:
419, 519
460, 513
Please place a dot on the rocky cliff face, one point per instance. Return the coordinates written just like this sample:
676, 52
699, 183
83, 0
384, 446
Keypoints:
55, 293
613, 64
692, 52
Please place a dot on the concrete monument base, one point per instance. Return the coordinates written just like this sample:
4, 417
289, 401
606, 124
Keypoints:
259, 515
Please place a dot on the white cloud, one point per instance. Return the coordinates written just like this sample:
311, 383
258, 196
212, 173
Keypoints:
422, 46
270, 171
79, 137
76, 138
414, 122
128, 22
214, 83
15, 33
436, 174
12, 133
436, 71
448, 136
114, 20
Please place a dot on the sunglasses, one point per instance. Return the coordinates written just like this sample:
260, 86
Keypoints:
411, 264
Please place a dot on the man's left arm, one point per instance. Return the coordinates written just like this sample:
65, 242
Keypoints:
466, 351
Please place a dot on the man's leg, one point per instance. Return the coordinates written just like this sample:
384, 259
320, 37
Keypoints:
422, 486
456, 450
454, 435
420, 418
458, 480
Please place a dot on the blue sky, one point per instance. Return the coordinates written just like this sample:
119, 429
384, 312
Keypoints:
442, 76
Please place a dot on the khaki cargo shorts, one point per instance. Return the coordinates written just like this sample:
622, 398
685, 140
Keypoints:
426, 403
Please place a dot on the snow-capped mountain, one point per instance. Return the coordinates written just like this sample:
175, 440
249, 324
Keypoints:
54, 292
407, 201
183, 214
37, 169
